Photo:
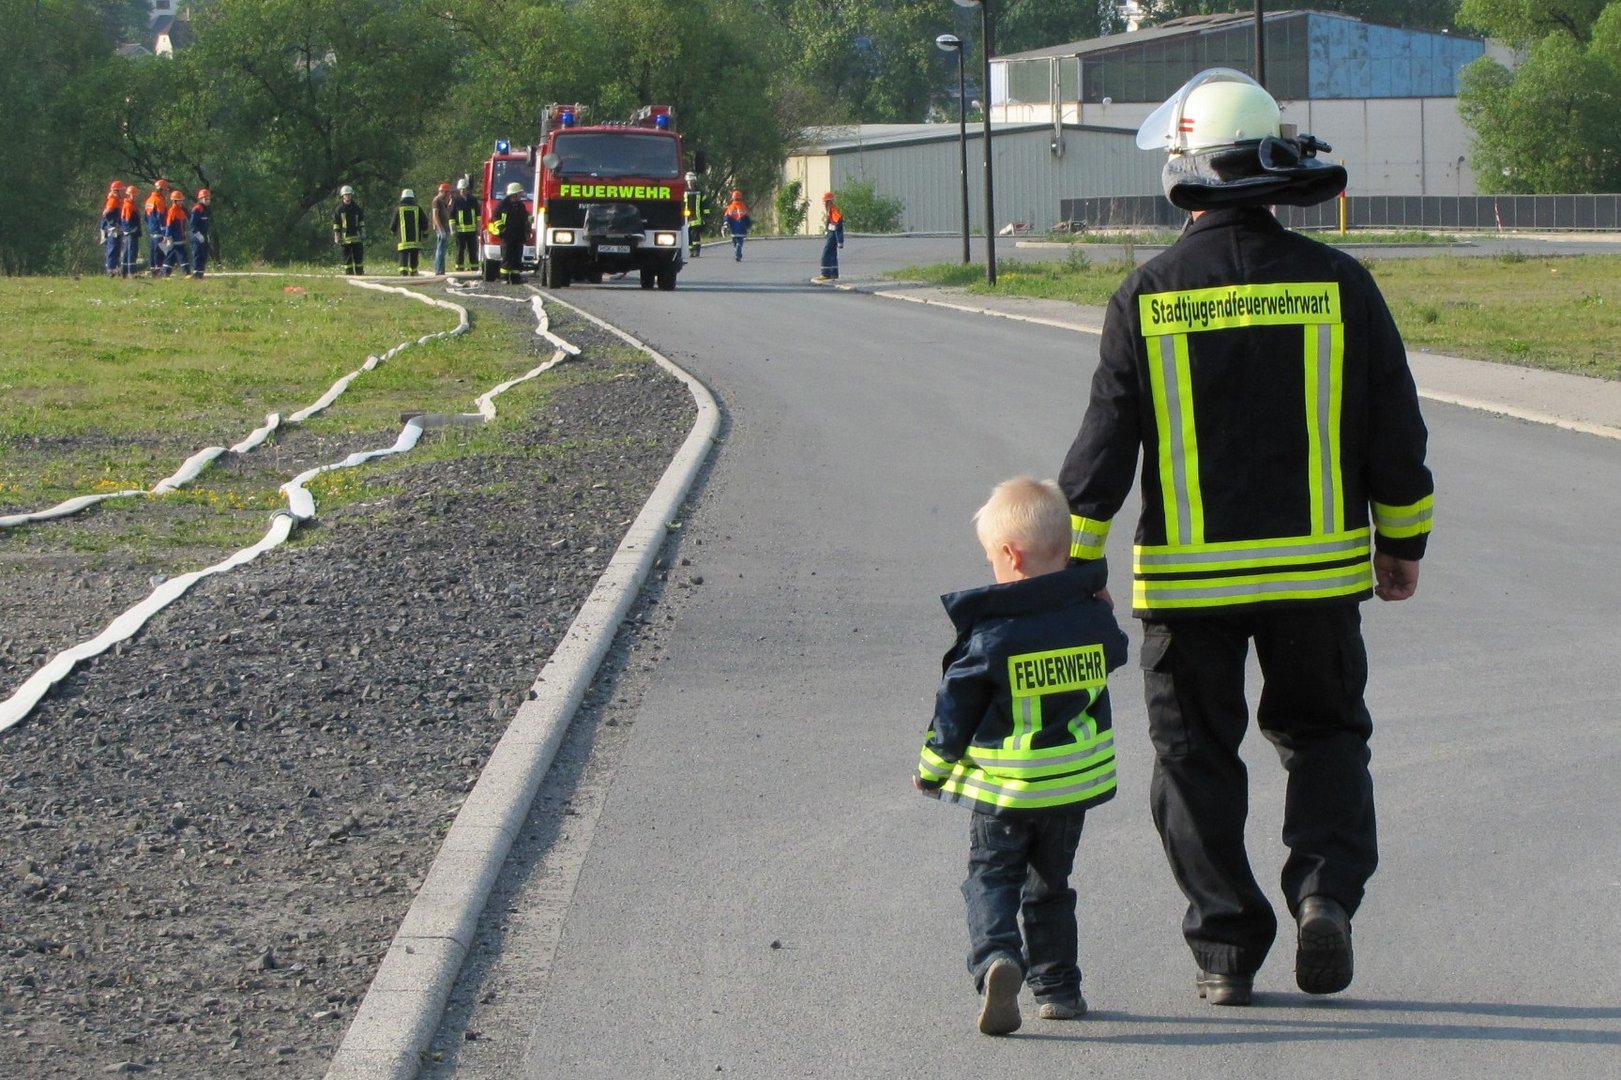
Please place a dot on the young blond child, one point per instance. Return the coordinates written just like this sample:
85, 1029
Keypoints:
1021, 733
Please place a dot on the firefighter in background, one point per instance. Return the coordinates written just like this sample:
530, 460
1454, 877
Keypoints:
112, 240
129, 230
1283, 482
833, 222
201, 220
174, 235
511, 228
349, 231
156, 207
464, 223
439, 219
693, 209
409, 226
736, 221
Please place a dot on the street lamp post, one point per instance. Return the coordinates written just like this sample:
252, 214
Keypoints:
953, 43
984, 7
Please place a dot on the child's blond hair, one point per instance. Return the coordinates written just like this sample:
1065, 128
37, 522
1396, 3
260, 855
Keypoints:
1030, 514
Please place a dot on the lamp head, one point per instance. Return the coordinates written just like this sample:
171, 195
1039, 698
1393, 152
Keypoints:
949, 42
968, 3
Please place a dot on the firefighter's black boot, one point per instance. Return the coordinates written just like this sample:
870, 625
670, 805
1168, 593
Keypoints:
1323, 953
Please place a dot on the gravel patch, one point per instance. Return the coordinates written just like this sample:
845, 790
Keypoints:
214, 830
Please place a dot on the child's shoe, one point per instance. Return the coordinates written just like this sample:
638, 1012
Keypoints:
1062, 1008
999, 1005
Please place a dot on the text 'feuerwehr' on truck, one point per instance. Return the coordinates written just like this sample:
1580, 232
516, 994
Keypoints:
606, 198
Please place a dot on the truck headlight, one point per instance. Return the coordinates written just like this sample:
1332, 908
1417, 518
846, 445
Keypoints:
664, 239
562, 236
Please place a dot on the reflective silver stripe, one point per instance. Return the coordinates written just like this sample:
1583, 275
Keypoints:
1171, 388
1213, 589
1327, 461
1002, 766
1087, 538
1026, 729
1387, 520
1015, 795
1293, 551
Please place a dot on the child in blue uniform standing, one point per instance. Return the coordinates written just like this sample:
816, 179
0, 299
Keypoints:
1022, 734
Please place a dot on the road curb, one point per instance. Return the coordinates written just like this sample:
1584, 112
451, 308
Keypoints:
401, 1012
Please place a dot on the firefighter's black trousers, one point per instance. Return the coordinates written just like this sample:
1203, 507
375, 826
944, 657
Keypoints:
1314, 668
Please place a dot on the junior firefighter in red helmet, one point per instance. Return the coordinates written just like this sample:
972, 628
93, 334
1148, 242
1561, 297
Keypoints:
833, 224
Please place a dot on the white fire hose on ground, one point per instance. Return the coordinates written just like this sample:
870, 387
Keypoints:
300, 503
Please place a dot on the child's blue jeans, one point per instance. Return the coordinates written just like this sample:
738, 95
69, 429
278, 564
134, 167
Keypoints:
1021, 866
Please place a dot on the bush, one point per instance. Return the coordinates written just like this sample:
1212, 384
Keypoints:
867, 211
791, 207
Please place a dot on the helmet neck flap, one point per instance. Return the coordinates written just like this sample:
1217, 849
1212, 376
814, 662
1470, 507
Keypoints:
1273, 171
1228, 148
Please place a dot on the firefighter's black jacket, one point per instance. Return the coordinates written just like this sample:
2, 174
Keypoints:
1266, 383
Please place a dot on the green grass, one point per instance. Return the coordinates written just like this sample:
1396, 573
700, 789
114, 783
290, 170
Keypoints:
1560, 313
1166, 237
108, 385
149, 357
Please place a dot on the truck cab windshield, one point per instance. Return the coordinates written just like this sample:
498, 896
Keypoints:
617, 153
506, 171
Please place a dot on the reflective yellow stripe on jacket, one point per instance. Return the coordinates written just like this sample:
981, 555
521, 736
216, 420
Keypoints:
1037, 766
1326, 561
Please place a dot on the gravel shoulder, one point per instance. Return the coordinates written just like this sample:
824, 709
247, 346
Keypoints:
215, 828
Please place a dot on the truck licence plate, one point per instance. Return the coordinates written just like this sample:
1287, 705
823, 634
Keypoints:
614, 249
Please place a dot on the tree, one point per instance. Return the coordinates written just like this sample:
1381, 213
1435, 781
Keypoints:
51, 46
1427, 14
857, 61
1518, 23
1036, 24
302, 96
1549, 125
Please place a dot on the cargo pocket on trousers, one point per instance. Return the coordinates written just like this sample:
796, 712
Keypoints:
1167, 729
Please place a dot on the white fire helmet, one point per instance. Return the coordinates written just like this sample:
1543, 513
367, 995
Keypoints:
346, 190
1225, 147
514, 188
1216, 108
407, 194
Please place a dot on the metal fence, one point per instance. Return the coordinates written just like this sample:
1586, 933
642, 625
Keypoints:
1519, 212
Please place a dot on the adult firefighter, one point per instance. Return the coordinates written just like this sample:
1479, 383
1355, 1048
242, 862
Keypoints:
409, 226
692, 208
464, 222
349, 231
439, 218
1283, 482
510, 226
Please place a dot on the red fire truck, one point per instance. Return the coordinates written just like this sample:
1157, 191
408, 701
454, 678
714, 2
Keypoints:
607, 198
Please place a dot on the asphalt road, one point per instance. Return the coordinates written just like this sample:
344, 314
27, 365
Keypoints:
762, 895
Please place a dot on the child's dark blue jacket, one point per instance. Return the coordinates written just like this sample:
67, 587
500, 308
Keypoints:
1021, 721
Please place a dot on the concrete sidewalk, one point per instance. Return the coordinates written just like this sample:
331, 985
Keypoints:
1576, 402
